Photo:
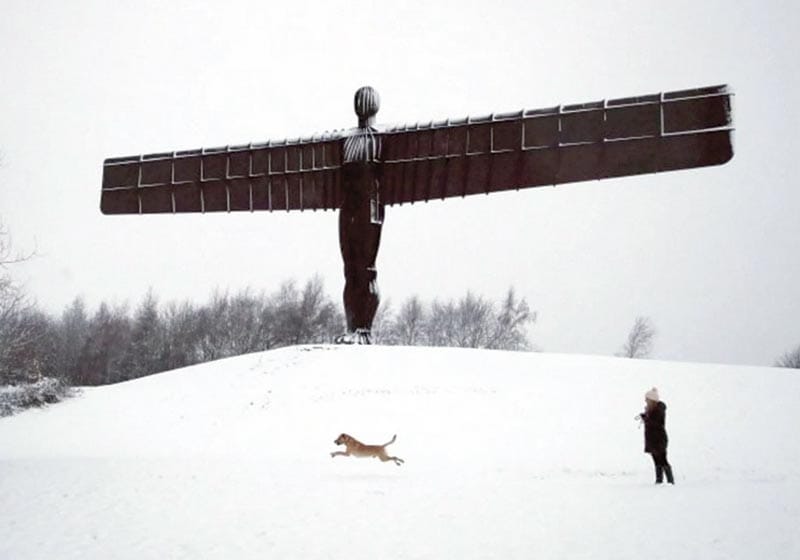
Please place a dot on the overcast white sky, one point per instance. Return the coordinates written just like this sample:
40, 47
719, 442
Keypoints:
711, 255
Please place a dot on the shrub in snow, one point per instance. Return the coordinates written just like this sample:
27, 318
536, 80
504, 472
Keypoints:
47, 390
790, 360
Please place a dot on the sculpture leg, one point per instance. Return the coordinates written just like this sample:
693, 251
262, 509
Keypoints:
359, 240
361, 298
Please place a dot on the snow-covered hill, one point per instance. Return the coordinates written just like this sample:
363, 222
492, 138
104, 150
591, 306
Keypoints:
508, 455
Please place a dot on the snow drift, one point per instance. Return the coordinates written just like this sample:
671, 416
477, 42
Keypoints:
508, 455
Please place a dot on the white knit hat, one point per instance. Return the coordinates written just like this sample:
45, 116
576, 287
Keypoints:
652, 395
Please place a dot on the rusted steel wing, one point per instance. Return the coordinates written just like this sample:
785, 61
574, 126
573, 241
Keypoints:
530, 148
456, 157
300, 174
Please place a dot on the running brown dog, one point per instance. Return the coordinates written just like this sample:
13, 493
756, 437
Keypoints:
357, 449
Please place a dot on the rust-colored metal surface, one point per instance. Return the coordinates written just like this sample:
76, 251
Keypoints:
298, 174
565, 144
425, 161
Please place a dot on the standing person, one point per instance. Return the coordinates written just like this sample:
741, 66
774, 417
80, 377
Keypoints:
655, 435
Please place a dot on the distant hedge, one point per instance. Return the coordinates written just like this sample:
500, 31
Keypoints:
47, 390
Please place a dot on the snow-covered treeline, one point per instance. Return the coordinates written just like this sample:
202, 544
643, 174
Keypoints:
116, 343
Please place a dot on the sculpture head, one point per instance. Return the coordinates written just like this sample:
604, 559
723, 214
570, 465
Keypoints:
366, 103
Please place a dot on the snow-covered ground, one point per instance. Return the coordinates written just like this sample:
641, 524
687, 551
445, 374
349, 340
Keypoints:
508, 455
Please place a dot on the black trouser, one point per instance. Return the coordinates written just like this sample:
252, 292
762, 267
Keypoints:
662, 467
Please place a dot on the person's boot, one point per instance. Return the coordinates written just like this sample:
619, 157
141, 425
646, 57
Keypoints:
668, 471
659, 474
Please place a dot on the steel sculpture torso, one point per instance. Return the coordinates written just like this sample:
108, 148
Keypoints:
361, 170
361, 217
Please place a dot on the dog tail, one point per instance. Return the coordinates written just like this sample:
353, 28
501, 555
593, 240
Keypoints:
394, 437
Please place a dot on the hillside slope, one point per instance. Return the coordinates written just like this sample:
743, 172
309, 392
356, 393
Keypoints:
508, 455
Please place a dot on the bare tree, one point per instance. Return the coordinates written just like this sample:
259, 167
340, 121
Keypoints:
23, 329
383, 324
213, 327
440, 324
102, 359
73, 331
29, 349
147, 349
305, 317
470, 322
18, 329
7, 257
408, 326
473, 322
510, 325
790, 359
244, 323
227, 326
640, 339
182, 326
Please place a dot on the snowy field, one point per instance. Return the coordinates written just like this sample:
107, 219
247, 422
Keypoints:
508, 455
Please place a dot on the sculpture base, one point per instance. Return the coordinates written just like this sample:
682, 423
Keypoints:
359, 336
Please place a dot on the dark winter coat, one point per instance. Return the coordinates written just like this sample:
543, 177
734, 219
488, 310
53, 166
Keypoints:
655, 436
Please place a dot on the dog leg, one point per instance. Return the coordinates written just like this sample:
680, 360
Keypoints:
335, 453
